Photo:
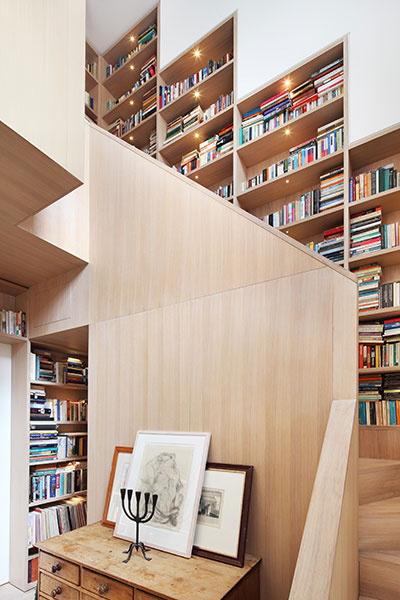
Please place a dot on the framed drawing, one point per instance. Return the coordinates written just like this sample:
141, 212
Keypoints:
171, 465
119, 471
223, 513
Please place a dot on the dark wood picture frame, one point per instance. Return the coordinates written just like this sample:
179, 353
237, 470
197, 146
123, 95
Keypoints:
117, 450
237, 561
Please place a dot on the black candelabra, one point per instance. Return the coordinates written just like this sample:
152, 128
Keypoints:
137, 518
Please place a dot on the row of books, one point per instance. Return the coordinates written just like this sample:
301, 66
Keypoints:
89, 101
33, 569
13, 322
45, 523
373, 182
53, 483
53, 409
92, 68
328, 195
225, 191
332, 246
143, 38
368, 278
383, 413
379, 399
324, 85
169, 93
379, 344
44, 368
53, 445
185, 123
120, 127
147, 71
330, 139
209, 150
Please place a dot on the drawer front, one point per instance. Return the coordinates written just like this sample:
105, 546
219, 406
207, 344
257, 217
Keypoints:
59, 567
55, 588
105, 586
139, 595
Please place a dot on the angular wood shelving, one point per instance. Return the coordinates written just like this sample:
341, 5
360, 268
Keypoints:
310, 226
58, 499
124, 109
6, 338
140, 134
90, 80
389, 200
387, 257
214, 171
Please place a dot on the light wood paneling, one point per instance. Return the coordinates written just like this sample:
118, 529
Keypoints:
7, 302
220, 363
173, 240
44, 43
379, 442
326, 567
379, 479
379, 524
380, 575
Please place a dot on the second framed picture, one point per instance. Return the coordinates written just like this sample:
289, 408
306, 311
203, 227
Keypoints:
223, 513
119, 472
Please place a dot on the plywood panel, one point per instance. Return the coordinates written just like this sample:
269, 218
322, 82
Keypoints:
157, 239
226, 363
380, 442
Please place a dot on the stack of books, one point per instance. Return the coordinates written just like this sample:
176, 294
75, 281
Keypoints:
390, 235
74, 371
328, 80
169, 93
70, 446
189, 162
332, 189
303, 154
45, 523
306, 206
143, 38
302, 95
222, 103
373, 182
330, 138
192, 119
40, 451
225, 191
153, 142
390, 294
208, 150
370, 341
147, 71
53, 483
225, 139
117, 128
391, 387
368, 286
13, 322
369, 395
174, 129
365, 232
39, 409
252, 126
149, 103
333, 245
42, 366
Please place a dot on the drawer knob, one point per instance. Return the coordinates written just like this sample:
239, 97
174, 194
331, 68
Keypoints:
56, 591
55, 568
102, 589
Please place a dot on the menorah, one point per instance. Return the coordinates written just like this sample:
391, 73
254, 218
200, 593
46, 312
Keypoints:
137, 518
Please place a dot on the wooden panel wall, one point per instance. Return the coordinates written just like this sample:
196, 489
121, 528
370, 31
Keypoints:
44, 46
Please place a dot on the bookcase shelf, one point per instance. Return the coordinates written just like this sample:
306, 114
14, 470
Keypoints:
389, 200
139, 136
90, 81
379, 370
59, 422
55, 500
173, 150
288, 183
387, 257
214, 171
380, 427
6, 338
90, 113
58, 460
310, 226
123, 78
124, 109
382, 313
302, 128
65, 386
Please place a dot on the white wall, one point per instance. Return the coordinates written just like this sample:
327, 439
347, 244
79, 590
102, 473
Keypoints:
272, 37
5, 451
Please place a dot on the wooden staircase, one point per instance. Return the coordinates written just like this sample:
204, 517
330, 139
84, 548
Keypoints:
379, 529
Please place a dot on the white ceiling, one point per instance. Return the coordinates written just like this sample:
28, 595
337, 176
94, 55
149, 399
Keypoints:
108, 20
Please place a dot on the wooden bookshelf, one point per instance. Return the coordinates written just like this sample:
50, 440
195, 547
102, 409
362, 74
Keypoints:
310, 226
213, 172
59, 460
390, 201
64, 386
92, 83
56, 500
382, 313
379, 370
139, 135
124, 108
386, 258
6, 338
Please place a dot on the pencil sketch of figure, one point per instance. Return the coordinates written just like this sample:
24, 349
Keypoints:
210, 508
166, 473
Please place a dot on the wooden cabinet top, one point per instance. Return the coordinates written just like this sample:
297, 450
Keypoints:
167, 576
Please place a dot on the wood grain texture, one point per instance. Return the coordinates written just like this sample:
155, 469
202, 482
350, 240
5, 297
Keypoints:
48, 585
379, 525
380, 575
54, 68
63, 568
379, 443
323, 569
379, 479
166, 576
219, 363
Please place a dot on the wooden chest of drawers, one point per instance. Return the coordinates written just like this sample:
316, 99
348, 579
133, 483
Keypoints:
86, 564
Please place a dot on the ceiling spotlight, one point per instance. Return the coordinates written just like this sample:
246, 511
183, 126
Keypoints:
197, 53
131, 67
196, 135
132, 38
287, 180
196, 176
131, 137
287, 81
130, 101
196, 94
287, 131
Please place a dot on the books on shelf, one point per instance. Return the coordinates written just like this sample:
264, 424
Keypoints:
223, 102
92, 68
379, 344
174, 129
332, 189
143, 38
147, 71
13, 322
333, 245
69, 446
209, 150
189, 162
329, 141
306, 206
365, 232
53, 483
373, 182
324, 85
192, 119
379, 399
368, 278
89, 101
120, 127
33, 568
42, 366
225, 191
390, 235
45, 523
169, 93
389, 294
152, 147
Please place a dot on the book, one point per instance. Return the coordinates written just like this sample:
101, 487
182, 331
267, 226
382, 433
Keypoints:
13, 322
365, 232
368, 278
143, 39
55, 520
373, 182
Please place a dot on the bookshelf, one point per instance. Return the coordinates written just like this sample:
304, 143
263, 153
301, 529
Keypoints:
92, 88
22, 552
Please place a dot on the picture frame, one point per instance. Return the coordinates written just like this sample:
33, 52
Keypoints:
171, 465
225, 499
119, 471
